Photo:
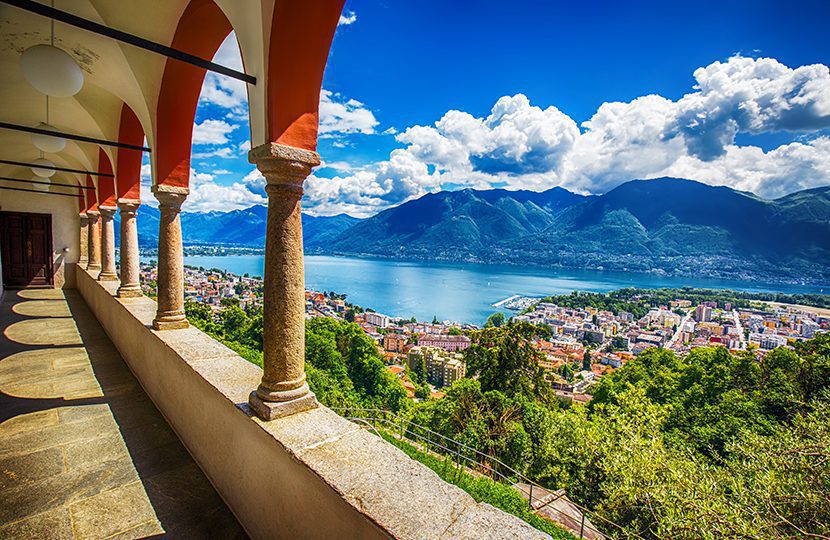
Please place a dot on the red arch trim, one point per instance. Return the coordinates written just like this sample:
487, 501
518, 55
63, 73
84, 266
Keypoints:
91, 195
106, 184
201, 30
128, 178
301, 34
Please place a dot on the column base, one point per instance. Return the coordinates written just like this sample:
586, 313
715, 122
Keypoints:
107, 276
271, 410
170, 323
93, 267
129, 292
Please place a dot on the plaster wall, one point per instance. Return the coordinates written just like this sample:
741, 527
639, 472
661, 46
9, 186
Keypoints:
64, 212
309, 475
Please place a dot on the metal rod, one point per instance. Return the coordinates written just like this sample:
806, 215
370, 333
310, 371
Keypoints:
76, 195
131, 39
54, 167
45, 183
81, 138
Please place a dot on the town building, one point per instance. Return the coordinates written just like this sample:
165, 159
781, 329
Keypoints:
442, 367
447, 342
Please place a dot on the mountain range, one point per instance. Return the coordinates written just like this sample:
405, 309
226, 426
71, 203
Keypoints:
667, 225
237, 227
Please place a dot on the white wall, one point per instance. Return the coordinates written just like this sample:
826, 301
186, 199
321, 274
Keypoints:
64, 211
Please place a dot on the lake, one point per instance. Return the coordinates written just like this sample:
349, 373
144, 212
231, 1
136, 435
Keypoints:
461, 292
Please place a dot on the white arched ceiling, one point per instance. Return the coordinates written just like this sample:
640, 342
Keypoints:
252, 28
115, 73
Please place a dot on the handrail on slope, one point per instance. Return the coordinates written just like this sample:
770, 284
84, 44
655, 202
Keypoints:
401, 427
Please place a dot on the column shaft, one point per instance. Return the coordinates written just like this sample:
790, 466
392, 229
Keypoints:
283, 389
94, 240
107, 244
170, 314
83, 241
130, 286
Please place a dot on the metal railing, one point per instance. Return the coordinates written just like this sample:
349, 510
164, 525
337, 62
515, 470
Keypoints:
478, 463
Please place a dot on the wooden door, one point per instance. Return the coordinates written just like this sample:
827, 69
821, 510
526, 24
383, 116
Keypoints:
26, 249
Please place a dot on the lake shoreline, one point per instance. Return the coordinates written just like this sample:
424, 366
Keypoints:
461, 292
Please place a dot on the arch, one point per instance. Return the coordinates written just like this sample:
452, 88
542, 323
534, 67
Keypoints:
201, 30
90, 195
106, 184
128, 161
301, 35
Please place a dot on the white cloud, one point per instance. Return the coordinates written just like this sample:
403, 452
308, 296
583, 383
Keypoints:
751, 95
206, 195
523, 145
339, 116
222, 152
212, 132
347, 18
255, 182
227, 92
210, 196
401, 178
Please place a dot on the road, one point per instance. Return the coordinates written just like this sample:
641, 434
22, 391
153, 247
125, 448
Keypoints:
741, 334
679, 330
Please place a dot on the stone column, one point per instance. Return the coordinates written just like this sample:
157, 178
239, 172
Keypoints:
170, 314
94, 240
83, 241
283, 390
107, 244
130, 286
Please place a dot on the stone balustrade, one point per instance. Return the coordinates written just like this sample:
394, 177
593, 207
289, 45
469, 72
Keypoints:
312, 474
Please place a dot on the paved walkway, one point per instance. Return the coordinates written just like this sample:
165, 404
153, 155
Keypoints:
84, 453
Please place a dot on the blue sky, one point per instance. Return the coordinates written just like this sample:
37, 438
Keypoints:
430, 95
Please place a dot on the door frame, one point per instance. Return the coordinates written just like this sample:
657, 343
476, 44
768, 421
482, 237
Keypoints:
50, 266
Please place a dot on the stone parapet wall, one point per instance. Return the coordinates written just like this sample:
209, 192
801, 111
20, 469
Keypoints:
309, 475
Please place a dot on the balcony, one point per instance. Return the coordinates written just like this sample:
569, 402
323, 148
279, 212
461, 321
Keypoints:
112, 428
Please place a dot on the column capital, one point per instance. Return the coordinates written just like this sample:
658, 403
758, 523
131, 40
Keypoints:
170, 197
107, 211
128, 206
128, 202
93, 215
83, 218
283, 166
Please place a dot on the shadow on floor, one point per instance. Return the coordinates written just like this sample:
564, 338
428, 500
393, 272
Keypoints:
127, 434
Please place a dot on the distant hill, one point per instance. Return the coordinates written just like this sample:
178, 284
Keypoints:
237, 227
455, 225
667, 225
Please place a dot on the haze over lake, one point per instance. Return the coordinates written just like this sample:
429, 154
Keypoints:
459, 292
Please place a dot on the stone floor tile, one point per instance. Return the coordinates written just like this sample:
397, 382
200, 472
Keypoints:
63, 489
148, 529
27, 468
111, 512
77, 431
26, 422
42, 308
53, 525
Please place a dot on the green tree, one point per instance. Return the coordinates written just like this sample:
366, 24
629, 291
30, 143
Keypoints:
496, 319
506, 359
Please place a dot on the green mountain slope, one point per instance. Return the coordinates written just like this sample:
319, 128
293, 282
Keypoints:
668, 225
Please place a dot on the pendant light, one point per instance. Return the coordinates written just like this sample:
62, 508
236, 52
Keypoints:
43, 171
38, 185
48, 143
51, 70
